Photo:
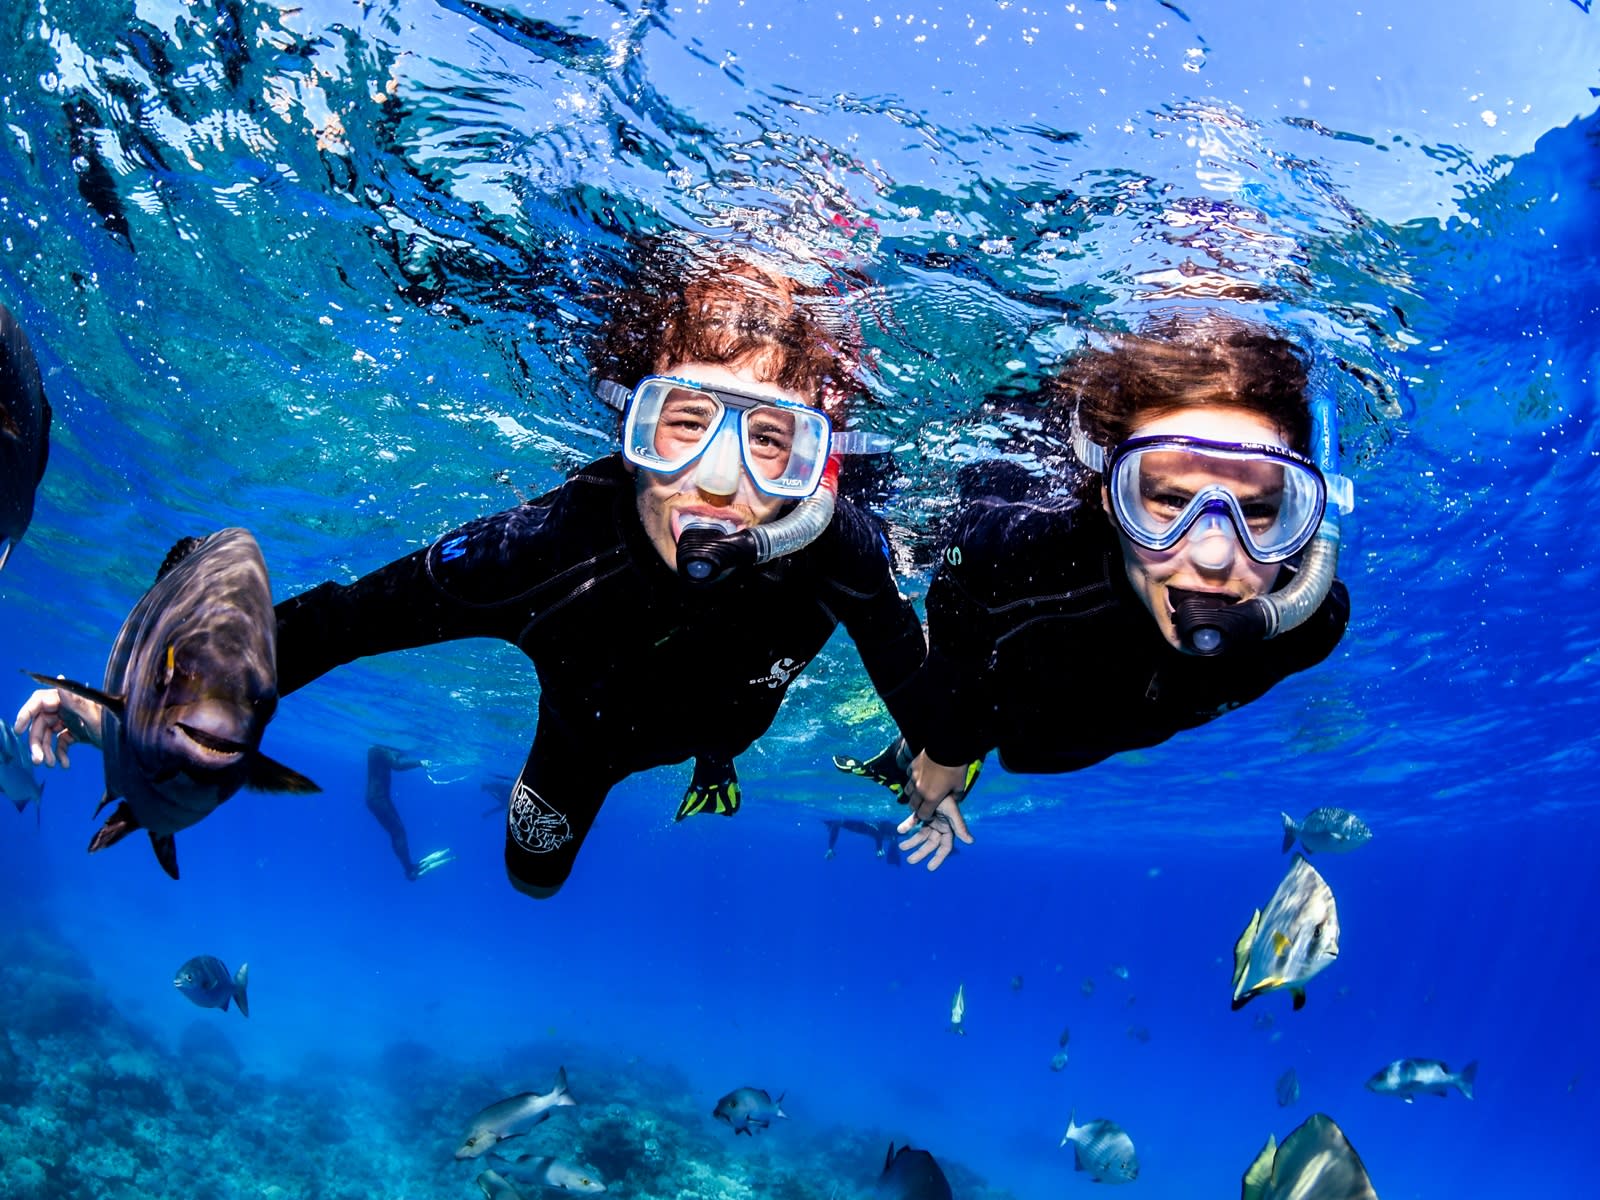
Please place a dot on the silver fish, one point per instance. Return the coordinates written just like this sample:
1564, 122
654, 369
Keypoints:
17, 778
1287, 1088
24, 432
189, 688
1315, 1162
1296, 937
1408, 1077
911, 1175
747, 1106
555, 1174
494, 1124
205, 980
1103, 1149
958, 1009
1058, 1061
496, 1186
1325, 830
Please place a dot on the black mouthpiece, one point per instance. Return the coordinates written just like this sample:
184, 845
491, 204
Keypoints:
706, 554
1210, 624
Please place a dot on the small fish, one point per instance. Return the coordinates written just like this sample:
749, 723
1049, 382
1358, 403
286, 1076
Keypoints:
747, 1106
1103, 1149
1087, 987
494, 1124
1120, 971
17, 778
1139, 1033
205, 980
1066, 1036
1016, 983
1058, 1061
1263, 1022
1326, 830
1408, 1077
1315, 1162
190, 685
496, 1186
958, 1009
1285, 946
1287, 1088
24, 432
911, 1175
543, 1171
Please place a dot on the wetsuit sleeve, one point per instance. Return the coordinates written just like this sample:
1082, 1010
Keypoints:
955, 706
454, 589
879, 620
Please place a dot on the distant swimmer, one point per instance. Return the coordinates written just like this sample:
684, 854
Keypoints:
382, 762
24, 432
883, 835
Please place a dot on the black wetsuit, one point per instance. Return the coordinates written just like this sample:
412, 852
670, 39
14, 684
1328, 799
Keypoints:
1039, 647
382, 762
637, 667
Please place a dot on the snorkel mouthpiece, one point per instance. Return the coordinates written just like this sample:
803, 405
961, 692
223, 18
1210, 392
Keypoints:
706, 552
1208, 623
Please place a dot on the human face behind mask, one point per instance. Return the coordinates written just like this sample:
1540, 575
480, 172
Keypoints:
1209, 557
715, 488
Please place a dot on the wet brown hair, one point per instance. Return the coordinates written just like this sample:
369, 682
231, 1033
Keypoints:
720, 306
1179, 363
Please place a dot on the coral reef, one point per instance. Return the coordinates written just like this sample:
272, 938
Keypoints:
92, 1108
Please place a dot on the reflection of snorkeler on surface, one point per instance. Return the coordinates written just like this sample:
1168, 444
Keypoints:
382, 762
883, 833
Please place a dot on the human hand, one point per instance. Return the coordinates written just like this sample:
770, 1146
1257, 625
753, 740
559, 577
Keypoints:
54, 720
931, 784
936, 836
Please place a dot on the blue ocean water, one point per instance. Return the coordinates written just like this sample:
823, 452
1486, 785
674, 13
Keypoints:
322, 269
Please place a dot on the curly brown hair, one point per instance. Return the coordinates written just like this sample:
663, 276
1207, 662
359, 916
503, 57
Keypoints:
720, 306
1180, 362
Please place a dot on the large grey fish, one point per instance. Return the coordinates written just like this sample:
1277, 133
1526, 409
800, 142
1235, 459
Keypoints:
1315, 1162
189, 688
205, 980
24, 432
495, 1124
747, 1106
553, 1174
1408, 1077
1103, 1149
911, 1175
1287, 1088
1326, 830
17, 778
1297, 936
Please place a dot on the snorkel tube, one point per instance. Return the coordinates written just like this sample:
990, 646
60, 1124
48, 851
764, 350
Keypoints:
1209, 625
706, 554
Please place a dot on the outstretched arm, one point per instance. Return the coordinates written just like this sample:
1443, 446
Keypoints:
53, 721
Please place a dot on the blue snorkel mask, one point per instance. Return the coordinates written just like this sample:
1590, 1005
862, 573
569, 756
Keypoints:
1277, 502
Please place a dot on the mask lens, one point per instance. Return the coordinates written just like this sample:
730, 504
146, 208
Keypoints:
1160, 486
671, 422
